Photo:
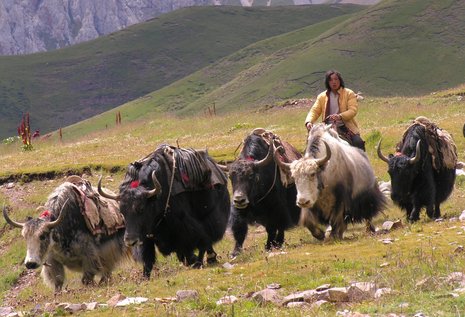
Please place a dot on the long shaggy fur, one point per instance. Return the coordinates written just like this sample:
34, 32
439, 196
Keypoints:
259, 196
342, 191
175, 221
70, 244
418, 185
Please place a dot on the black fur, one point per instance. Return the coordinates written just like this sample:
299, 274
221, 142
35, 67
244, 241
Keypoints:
173, 222
418, 185
275, 210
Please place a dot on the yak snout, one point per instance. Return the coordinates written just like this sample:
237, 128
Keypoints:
131, 241
303, 203
31, 265
240, 200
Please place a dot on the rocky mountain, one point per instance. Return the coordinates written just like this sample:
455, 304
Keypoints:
31, 26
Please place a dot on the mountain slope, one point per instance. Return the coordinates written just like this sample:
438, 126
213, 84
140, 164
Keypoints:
75, 83
36, 26
396, 48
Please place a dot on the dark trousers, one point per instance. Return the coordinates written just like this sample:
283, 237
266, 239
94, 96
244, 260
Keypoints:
353, 139
357, 141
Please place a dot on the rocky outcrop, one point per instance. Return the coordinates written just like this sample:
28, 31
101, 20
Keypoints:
42, 25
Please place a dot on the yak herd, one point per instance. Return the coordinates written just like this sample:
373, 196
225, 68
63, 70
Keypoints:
176, 200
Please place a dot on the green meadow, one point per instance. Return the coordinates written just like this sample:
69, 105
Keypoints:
219, 81
424, 250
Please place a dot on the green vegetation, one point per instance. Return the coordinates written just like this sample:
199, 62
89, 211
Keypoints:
368, 47
242, 58
68, 85
420, 251
406, 50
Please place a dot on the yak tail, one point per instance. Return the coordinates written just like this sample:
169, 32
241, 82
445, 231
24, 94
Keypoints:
367, 205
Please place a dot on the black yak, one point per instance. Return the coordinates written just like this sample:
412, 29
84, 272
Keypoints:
262, 193
423, 169
177, 200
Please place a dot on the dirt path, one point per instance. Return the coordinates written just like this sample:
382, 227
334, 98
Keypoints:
16, 198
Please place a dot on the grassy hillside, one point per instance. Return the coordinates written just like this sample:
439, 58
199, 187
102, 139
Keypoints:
66, 86
425, 251
397, 48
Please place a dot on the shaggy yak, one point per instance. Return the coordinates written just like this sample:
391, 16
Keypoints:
177, 200
423, 169
262, 193
335, 184
60, 238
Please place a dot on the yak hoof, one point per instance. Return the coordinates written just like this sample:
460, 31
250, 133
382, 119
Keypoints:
277, 245
235, 253
197, 265
212, 258
106, 278
370, 228
87, 280
146, 274
320, 235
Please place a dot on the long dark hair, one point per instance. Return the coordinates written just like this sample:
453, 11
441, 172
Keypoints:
328, 75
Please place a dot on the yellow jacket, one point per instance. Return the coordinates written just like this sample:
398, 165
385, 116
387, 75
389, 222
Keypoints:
348, 108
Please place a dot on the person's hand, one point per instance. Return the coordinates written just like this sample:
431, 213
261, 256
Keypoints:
335, 117
309, 125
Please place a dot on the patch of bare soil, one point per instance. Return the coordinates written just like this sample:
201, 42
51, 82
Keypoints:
15, 194
291, 103
26, 279
298, 103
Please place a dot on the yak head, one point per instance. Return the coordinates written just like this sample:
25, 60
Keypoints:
38, 235
402, 169
306, 173
136, 202
248, 182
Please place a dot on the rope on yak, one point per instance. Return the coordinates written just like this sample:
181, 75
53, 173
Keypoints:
272, 185
167, 206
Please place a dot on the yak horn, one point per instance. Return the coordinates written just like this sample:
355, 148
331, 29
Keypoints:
102, 193
381, 155
61, 216
222, 167
417, 156
11, 222
157, 186
267, 159
321, 161
284, 165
